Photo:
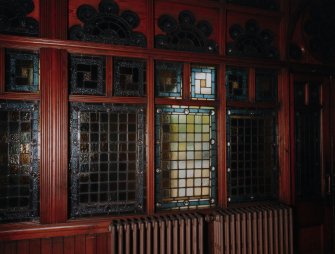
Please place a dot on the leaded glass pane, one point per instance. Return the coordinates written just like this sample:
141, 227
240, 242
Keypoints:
203, 80
87, 74
185, 157
107, 159
129, 77
22, 70
19, 161
266, 85
251, 155
237, 83
168, 79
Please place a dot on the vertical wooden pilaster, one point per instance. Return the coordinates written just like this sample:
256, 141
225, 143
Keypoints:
53, 19
54, 136
2, 70
150, 174
284, 154
222, 191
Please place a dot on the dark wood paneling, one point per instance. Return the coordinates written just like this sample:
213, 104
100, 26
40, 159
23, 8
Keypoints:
23, 247
46, 246
35, 246
69, 245
54, 131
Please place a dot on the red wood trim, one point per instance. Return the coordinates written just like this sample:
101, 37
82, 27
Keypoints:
254, 11
80, 244
252, 85
102, 243
20, 96
103, 99
222, 29
57, 245
54, 136
285, 192
128, 51
221, 138
35, 246
2, 70
46, 246
23, 247
69, 245
207, 4
150, 174
166, 101
150, 24
186, 90
53, 23
109, 76
91, 244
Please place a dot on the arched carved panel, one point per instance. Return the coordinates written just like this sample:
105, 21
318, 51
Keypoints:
185, 34
251, 41
107, 25
14, 20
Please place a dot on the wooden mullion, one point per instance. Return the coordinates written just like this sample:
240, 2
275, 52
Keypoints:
199, 103
20, 96
109, 76
150, 173
105, 99
252, 85
2, 70
186, 89
221, 139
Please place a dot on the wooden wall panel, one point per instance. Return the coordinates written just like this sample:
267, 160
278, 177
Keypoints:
69, 246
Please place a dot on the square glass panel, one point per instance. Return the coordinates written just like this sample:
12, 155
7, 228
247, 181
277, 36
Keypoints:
19, 161
22, 71
203, 82
168, 79
129, 77
185, 157
87, 74
266, 85
251, 155
237, 83
107, 159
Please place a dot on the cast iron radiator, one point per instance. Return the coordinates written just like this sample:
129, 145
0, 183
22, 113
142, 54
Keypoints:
261, 229
182, 233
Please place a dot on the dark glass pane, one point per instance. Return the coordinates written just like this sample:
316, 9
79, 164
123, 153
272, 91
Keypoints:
87, 74
129, 77
203, 82
251, 155
266, 85
19, 161
168, 79
185, 157
22, 71
237, 83
102, 161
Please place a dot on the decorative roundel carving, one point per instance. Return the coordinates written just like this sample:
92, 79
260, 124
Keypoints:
108, 7
167, 23
86, 12
186, 17
319, 29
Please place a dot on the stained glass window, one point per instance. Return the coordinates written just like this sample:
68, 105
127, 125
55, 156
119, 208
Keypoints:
203, 79
107, 159
266, 85
22, 71
87, 74
237, 83
251, 155
168, 79
19, 161
129, 77
185, 157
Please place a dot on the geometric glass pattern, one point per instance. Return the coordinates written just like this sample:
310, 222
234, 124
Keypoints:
107, 160
168, 78
22, 70
307, 138
203, 79
19, 161
237, 83
266, 85
185, 157
129, 77
251, 155
87, 74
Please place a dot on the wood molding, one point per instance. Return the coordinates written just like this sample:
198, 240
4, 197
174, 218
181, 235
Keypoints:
54, 136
